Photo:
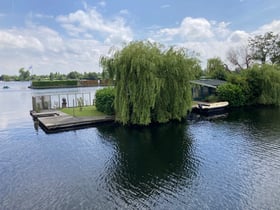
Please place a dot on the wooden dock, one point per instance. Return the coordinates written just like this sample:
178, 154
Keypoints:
56, 121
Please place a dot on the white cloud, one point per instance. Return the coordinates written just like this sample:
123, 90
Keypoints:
13, 39
208, 38
274, 26
238, 37
90, 21
47, 51
189, 29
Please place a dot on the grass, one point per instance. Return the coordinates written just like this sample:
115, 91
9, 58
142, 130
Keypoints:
87, 111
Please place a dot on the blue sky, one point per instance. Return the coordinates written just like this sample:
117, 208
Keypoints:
63, 36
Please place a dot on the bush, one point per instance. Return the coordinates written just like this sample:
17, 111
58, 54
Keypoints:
54, 83
104, 100
231, 93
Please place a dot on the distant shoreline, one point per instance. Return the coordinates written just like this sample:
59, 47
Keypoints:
53, 84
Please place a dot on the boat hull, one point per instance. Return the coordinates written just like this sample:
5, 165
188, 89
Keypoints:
210, 108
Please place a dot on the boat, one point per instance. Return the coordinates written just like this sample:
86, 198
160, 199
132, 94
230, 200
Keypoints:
6, 87
205, 108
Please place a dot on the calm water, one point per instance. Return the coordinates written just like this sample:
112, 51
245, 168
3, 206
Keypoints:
227, 163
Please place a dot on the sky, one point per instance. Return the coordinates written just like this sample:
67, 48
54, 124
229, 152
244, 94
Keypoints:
46, 36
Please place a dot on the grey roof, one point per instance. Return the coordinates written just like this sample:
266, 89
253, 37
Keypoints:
213, 83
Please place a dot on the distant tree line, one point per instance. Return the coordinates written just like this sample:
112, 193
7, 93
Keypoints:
25, 75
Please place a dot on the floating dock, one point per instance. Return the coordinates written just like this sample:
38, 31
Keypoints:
57, 121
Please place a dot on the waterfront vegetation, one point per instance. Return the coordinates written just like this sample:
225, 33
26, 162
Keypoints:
54, 83
104, 100
151, 82
258, 85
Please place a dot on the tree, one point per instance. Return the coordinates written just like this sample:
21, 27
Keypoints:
265, 48
231, 93
90, 75
240, 57
175, 71
24, 75
51, 76
74, 75
152, 85
264, 84
216, 69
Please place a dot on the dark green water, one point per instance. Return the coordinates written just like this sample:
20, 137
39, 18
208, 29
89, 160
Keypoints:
226, 163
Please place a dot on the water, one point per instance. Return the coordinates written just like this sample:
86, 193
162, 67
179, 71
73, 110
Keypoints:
226, 163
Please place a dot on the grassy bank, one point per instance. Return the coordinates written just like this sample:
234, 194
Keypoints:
87, 111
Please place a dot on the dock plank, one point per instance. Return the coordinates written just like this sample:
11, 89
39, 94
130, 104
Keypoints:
58, 121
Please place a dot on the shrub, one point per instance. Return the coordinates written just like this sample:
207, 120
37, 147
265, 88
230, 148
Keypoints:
54, 83
231, 93
104, 100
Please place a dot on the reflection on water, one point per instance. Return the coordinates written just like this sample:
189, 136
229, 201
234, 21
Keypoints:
149, 161
225, 163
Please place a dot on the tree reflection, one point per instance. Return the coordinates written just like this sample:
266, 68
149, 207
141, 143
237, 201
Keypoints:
150, 159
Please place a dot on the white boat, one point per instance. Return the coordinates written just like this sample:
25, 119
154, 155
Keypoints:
210, 108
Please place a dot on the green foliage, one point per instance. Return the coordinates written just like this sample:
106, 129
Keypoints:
54, 84
151, 85
264, 84
24, 75
90, 76
104, 100
109, 71
136, 82
74, 75
265, 48
175, 71
5, 77
216, 69
231, 93
259, 84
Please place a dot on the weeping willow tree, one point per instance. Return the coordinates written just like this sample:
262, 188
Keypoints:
268, 77
175, 72
152, 85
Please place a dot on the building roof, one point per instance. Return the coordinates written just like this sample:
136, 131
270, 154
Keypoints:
213, 83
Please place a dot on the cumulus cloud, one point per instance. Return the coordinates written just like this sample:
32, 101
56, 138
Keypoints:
90, 21
189, 29
274, 26
208, 38
90, 35
47, 51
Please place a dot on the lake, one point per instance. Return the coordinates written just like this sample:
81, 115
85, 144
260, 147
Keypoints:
231, 162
